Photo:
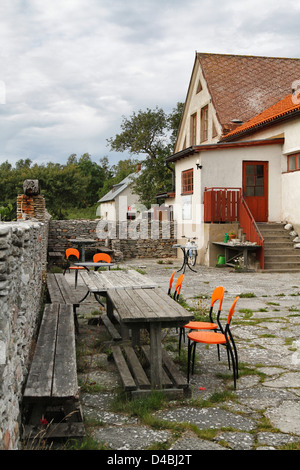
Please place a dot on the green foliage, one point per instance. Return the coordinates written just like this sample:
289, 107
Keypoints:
70, 191
151, 133
5, 212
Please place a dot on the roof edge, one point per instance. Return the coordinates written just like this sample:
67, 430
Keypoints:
223, 146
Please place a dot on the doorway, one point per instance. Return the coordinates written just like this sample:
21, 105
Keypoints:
255, 189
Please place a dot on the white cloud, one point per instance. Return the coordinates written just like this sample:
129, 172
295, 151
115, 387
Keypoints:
72, 69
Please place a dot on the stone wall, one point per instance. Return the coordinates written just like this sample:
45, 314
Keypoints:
23, 247
128, 240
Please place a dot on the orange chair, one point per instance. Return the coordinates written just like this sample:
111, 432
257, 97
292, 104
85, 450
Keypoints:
171, 282
217, 295
70, 252
101, 257
178, 287
211, 337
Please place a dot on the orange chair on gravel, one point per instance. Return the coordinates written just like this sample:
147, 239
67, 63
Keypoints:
72, 252
217, 295
171, 282
178, 287
98, 257
211, 337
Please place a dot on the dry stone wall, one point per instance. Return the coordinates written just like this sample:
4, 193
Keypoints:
130, 239
23, 249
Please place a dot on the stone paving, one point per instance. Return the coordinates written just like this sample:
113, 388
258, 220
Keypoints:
264, 410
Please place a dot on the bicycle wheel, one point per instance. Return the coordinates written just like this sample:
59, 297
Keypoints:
192, 256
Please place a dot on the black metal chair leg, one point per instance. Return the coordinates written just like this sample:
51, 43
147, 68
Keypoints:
233, 364
188, 361
194, 354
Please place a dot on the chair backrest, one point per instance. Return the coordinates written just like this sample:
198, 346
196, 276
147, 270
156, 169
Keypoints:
178, 286
171, 282
231, 310
72, 252
218, 294
101, 257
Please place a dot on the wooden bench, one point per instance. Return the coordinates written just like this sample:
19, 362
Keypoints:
60, 292
55, 257
51, 390
133, 371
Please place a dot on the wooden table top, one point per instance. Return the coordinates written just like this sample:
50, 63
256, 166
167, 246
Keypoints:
104, 281
91, 264
147, 305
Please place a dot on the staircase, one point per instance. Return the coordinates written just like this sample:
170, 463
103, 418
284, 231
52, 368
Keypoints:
280, 254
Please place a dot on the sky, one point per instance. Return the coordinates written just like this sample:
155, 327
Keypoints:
72, 69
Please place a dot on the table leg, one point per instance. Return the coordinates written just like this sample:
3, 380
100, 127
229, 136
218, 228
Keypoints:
83, 252
155, 355
109, 308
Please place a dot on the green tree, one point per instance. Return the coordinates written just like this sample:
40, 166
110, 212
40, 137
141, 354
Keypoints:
151, 133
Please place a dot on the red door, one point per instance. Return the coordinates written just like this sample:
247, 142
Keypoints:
255, 189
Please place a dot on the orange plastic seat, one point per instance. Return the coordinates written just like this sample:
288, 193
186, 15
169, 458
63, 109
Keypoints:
101, 257
217, 295
210, 337
171, 282
69, 253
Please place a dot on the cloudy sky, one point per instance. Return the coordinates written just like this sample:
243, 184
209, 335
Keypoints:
70, 69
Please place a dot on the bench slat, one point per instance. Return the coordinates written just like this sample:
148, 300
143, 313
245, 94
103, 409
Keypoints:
136, 368
68, 296
54, 291
110, 328
179, 379
65, 375
39, 382
126, 377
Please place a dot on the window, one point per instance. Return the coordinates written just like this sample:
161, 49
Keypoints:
187, 182
204, 123
193, 128
214, 130
255, 180
293, 162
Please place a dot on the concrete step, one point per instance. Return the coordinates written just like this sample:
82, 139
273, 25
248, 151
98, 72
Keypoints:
282, 258
282, 265
280, 254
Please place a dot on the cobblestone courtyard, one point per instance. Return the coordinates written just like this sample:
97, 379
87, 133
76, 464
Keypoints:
262, 413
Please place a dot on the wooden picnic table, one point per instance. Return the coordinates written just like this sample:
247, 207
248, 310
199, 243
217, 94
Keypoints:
101, 282
140, 304
150, 309
91, 264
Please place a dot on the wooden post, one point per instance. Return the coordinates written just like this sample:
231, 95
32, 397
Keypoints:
155, 355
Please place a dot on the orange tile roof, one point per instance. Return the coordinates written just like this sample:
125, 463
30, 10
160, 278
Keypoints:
287, 107
243, 86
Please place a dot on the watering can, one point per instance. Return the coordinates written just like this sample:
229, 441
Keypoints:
221, 259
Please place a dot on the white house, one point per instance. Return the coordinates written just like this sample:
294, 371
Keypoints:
120, 203
239, 141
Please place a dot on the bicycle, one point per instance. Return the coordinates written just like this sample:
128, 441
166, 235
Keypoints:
192, 252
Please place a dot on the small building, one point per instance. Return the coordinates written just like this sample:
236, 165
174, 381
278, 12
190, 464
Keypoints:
120, 203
